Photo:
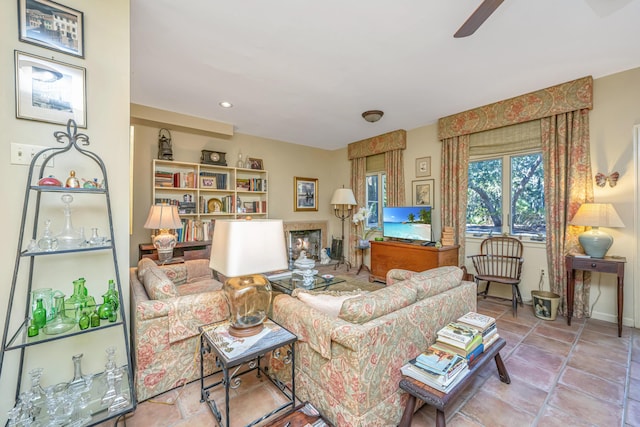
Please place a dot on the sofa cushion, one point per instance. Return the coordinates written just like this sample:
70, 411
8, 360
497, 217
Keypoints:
432, 282
329, 303
144, 265
158, 285
198, 269
199, 286
378, 303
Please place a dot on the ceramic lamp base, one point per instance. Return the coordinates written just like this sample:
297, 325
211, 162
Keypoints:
164, 243
595, 243
245, 332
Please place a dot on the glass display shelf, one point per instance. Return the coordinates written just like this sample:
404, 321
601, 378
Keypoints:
66, 251
20, 339
52, 189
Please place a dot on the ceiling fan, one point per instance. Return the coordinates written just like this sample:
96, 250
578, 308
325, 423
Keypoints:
486, 8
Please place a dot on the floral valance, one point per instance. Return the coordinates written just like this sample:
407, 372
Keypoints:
562, 98
396, 140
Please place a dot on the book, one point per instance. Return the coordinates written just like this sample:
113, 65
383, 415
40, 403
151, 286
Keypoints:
475, 353
491, 340
442, 376
411, 371
437, 359
465, 348
477, 320
458, 332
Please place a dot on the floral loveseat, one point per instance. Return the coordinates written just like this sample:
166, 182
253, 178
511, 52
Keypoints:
168, 304
348, 356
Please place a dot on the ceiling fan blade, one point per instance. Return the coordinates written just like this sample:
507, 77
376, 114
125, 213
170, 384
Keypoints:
486, 8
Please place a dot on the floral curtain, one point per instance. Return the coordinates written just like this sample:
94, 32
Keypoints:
358, 174
453, 188
568, 184
394, 168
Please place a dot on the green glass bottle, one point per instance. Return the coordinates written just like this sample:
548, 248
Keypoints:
32, 330
90, 301
106, 309
112, 295
113, 316
84, 321
94, 318
39, 314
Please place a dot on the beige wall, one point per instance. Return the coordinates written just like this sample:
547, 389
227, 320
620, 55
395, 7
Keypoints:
107, 77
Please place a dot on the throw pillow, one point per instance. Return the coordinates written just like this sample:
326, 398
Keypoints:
384, 301
158, 285
329, 302
144, 265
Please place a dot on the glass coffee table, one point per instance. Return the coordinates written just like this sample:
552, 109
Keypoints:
287, 285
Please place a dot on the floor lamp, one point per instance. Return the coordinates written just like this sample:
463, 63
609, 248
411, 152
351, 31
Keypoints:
343, 202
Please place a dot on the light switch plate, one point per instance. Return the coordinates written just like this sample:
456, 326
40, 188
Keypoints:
22, 154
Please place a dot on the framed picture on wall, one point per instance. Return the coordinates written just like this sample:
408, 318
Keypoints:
423, 166
423, 192
305, 197
49, 91
51, 25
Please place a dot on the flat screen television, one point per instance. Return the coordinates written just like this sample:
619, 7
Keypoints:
407, 222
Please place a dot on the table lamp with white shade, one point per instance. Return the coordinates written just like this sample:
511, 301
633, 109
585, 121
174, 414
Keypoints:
596, 242
241, 250
164, 217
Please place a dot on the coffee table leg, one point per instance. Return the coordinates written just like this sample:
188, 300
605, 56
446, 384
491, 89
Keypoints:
502, 370
440, 421
408, 412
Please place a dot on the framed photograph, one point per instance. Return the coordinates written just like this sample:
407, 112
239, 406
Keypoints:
423, 166
50, 91
305, 194
256, 163
208, 182
423, 192
51, 25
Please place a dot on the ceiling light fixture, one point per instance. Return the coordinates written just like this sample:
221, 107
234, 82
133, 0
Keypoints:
225, 104
372, 116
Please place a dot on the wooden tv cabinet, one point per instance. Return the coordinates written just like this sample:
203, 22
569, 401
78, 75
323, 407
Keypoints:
408, 256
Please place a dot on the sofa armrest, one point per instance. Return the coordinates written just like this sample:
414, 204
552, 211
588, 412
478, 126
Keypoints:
397, 275
188, 312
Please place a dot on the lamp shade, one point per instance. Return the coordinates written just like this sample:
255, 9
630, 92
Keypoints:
597, 215
241, 247
163, 217
595, 242
343, 196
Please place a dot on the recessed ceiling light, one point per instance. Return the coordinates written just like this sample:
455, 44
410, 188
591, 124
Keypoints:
225, 104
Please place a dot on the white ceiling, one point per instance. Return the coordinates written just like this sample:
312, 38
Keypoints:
303, 71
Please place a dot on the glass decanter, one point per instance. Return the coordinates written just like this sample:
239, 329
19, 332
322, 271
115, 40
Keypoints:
48, 242
112, 295
61, 323
69, 237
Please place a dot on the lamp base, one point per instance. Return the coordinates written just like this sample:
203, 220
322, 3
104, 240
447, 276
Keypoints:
164, 243
595, 243
245, 332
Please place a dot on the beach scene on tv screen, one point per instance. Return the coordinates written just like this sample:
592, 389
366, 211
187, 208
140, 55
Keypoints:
407, 222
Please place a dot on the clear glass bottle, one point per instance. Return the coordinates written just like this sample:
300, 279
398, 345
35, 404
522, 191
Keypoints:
48, 242
39, 314
69, 237
78, 378
61, 323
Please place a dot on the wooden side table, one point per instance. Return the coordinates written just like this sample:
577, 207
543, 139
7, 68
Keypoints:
431, 396
607, 264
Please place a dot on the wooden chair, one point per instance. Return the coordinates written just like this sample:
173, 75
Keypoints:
500, 261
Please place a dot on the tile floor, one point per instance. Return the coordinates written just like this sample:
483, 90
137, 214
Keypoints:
578, 375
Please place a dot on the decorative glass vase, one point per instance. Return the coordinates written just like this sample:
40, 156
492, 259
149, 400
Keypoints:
61, 323
48, 242
106, 308
39, 314
69, 237
112, 295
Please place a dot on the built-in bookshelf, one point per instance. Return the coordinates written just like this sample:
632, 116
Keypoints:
204, 193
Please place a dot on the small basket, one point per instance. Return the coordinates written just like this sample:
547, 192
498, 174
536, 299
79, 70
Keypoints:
545, 304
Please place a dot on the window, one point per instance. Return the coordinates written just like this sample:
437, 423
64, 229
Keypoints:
506, 195
376, 195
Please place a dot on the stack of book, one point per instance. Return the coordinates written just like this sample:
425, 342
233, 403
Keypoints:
439, 369
447, 238
461, 339
486, 325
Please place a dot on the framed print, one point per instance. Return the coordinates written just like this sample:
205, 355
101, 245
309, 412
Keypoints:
423, 192
208, 182
256, 163
49, 91
305, 197
423, 166
51, 25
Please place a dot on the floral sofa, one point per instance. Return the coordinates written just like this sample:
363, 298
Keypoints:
350, 350
168, 304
